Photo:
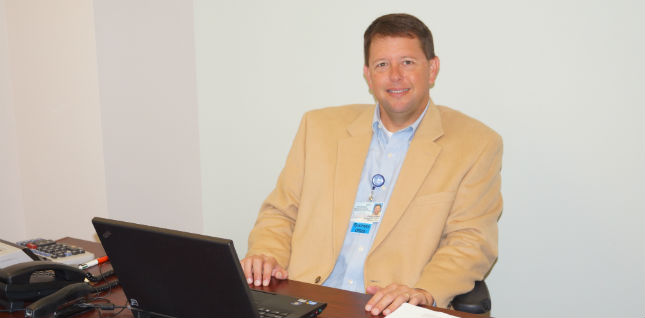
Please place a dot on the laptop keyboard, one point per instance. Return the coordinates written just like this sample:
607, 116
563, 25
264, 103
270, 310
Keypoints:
268, 313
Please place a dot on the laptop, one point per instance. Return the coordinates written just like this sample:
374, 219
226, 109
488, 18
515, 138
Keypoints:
169, 273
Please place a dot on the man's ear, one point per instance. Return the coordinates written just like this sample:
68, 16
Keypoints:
434, 69
366, 74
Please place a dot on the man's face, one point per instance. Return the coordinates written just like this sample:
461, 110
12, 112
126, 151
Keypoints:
400, 76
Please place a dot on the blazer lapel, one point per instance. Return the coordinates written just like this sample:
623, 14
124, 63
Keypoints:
418, 161
352, 152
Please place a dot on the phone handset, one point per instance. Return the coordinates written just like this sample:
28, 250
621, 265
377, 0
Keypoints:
30, 281
21, 273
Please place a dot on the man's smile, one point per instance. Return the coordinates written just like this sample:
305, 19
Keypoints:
398, 91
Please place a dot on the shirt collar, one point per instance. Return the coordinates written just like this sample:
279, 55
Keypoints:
377, 124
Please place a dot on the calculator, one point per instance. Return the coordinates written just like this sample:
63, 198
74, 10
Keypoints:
58, 252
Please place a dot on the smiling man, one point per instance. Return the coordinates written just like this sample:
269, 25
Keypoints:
434, 173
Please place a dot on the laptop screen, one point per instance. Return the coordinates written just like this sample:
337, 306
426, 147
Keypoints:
175, 273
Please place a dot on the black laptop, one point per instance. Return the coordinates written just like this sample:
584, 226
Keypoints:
168, 273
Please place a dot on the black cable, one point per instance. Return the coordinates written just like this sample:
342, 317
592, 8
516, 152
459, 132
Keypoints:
100, 307
84, 305
70, 310
97, 299
107, 306
102, 275
106, 287
99, 278
109, 292
122, 308
89, 303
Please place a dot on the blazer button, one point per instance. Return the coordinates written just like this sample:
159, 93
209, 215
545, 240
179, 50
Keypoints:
317, 280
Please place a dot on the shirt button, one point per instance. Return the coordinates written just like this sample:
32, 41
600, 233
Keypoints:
351, 282
360, 249
389, 155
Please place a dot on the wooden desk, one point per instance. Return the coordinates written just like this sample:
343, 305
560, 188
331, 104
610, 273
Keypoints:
340, 303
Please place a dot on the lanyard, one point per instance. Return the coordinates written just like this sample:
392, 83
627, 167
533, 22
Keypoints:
377, 181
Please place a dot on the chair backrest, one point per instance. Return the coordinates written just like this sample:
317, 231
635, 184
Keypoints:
476, 301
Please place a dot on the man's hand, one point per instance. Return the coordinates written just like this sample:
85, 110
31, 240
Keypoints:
387, 299
259, 269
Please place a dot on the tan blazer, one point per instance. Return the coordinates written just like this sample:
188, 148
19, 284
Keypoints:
439, 231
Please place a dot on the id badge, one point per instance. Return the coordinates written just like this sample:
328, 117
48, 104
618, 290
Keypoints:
364, 215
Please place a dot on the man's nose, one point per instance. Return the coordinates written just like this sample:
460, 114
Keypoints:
395, 73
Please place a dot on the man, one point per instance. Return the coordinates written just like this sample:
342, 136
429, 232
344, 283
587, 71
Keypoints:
434, 171
377, 209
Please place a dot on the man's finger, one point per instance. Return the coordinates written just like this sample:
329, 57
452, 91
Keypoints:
246, 267
385, 301
373, 289
283, 273
267, 270
376, 291
387, 296
423, 296
257, 271
416, 299
279, 272
396, 302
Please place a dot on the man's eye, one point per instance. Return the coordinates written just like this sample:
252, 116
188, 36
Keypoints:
408, 62
382, 64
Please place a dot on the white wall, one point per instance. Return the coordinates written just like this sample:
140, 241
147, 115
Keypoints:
13, 220
562, 81
146, 64
104, 100
54, 96
257, 75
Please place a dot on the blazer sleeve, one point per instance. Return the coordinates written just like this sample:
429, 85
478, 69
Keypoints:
468, 246
273, 229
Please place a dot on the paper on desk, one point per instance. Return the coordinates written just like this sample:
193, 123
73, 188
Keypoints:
406, 310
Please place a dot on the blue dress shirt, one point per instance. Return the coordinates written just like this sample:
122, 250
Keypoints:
385, 156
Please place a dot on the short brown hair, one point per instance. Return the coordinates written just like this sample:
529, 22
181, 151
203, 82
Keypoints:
399, 24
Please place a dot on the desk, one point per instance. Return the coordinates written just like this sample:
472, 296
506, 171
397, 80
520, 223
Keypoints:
340, 303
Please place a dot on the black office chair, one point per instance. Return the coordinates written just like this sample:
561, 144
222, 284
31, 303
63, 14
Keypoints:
476, 301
